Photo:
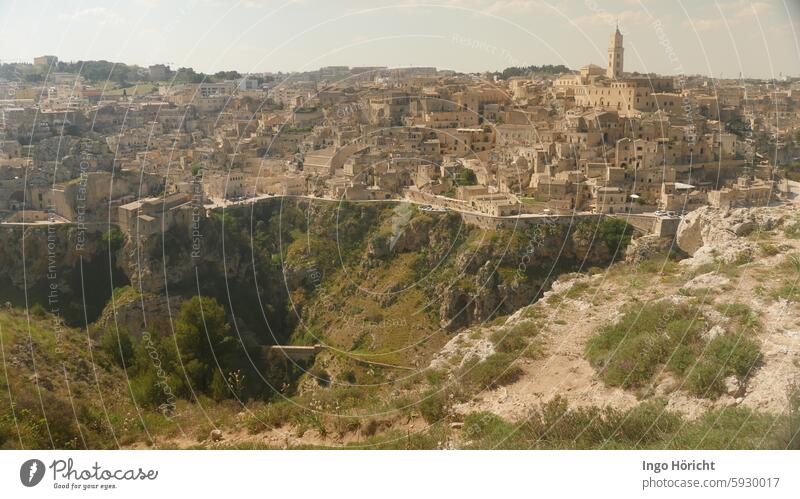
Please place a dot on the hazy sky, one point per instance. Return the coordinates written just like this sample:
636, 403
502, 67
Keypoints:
716, 37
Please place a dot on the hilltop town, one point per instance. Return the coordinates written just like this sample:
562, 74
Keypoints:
149, 149
398, 257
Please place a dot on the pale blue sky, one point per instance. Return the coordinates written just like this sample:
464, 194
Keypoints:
718, 37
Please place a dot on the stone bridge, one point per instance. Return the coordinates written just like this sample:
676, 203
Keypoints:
295, 353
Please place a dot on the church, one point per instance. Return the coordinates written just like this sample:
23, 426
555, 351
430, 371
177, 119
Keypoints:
613, 90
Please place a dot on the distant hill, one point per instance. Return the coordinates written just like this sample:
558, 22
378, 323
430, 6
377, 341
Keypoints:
101, 71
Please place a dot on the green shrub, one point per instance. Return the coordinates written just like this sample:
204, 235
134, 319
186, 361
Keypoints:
789, 291
769, 249
435, 376
516, 339
741, 312
434, 406
726, 355
347, 377
629, 352
792, 230
706, 380
273, 415
220, 390
681, 359
497, 370
37, 310
788, 433
739, 355
117, 344
486, 430
114, 238
150, 390
615, 233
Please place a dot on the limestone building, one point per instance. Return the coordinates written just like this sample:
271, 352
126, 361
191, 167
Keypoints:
615, 56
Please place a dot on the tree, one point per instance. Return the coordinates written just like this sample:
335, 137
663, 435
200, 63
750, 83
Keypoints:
188, 75
227, 75
203, 338
118, 345
466, 177
114, 237
219, 387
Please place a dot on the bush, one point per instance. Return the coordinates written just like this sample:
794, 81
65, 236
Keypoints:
114, 238
433, 406
321, 376
788, 433
220, 390
118, 346
739, 355
741, 312
149, 389
769, 249
466, 177
706, 380
615, 233
347, 377
487, 429
726, 355
628, 352
203, 337
37, 310
497, 370
273, 415
793, 230
513, 340
435, 376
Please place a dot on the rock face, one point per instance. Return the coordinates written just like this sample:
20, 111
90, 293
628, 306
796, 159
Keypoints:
137, 313
61, 268
257, 261
708, 234
493, 292
645, 247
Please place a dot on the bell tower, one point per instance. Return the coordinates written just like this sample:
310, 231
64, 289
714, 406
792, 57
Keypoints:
615, 56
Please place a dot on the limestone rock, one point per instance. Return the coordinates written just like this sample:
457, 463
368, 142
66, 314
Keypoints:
713, 333
733, 387
709, 234
711, 280
216, 435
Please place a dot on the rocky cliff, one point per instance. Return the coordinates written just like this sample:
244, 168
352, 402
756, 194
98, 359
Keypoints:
61, 268
708, 234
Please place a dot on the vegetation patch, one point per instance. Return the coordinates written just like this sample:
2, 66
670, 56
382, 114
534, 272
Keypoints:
661, 334
726, 355
649, 425
629, 352
519, 339
495, 371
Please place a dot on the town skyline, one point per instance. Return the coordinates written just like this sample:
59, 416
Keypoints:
404, 258
722, 39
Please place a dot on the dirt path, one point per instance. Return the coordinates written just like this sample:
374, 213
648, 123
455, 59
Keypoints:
562, 371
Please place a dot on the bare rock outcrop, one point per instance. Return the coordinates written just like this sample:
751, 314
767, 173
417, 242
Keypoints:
645, 247
708, 234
